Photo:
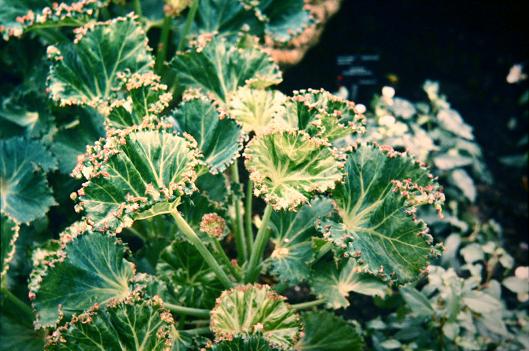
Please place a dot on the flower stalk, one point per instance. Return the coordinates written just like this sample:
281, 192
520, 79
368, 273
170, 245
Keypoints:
193, 238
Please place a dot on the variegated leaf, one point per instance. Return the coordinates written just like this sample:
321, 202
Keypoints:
138, 173
255, 310
132, 324
87, 71
220, 67
218, 137
289, 167
142, 99
90, 269
252, 343
376, 207
334, 284
18, 16
256, 110
322, 114
9, 231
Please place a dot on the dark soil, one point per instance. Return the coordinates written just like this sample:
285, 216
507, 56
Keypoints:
468, 46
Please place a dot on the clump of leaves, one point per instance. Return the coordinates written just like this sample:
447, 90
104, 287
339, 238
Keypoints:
201, 193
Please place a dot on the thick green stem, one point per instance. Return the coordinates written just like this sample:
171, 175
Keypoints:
162, 46
309, 304
20, 305
193, 238
136, 5
258, 248
187, 27
226, 259
188, 311
248, 213
240, 238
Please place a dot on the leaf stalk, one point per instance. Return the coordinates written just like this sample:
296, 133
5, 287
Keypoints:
258, 249
308, 304
188, 311
240, 238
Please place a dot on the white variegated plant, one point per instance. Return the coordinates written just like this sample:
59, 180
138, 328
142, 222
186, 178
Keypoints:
203, 196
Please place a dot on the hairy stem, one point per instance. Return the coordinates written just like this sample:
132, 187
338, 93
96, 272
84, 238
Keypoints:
308, 304
258, 249
248, 213
193, 238
240, 238
162, 46
188, 311
20, 305
187, 27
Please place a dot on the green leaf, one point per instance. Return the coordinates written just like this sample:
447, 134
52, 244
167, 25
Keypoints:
218, 137
334, 284
284, 19
88, 71
292, 234
255, 309
91, 269
278, 21
71, 139
288, 167
136, 173
24, 191
417, 301
214, 187
132, 324
256, 110
251, 343
324, 331
143, 98
27, 108
221, 68
223, 16
16, 332
18, 16
322, 114
189, 279
376, 207
9, 232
